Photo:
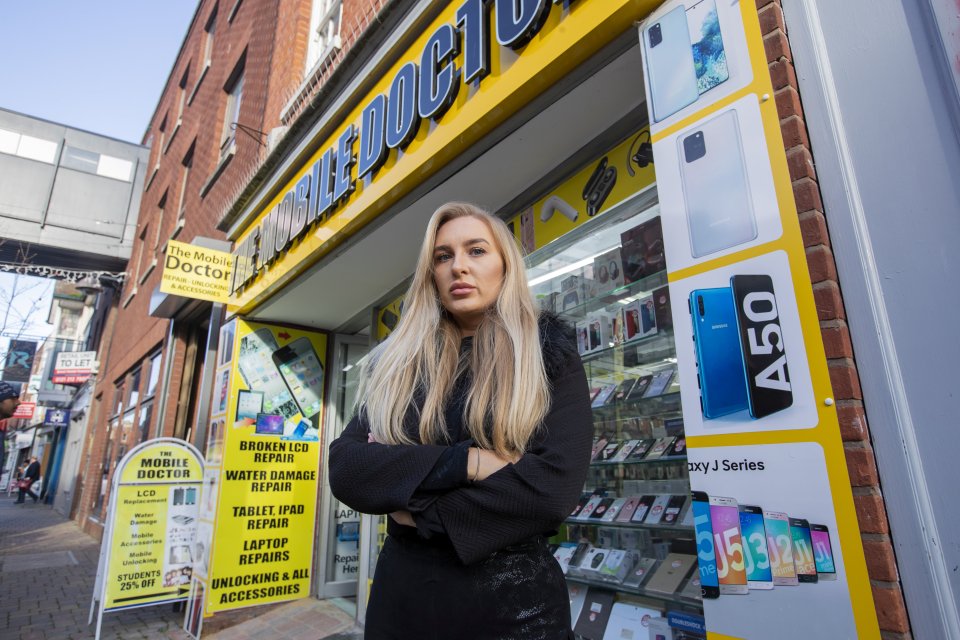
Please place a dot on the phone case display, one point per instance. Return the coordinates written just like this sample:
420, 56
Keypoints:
627, 537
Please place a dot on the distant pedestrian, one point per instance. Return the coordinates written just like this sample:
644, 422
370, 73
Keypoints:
31, 475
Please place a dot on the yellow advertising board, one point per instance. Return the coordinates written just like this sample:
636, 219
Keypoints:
262, 498
334, 194
152, 526
196, 272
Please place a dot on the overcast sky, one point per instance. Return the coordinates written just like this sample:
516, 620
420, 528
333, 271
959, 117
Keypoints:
97, 65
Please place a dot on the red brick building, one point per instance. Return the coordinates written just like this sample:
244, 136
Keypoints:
244, 71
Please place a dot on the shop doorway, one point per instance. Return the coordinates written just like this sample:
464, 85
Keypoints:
338, 557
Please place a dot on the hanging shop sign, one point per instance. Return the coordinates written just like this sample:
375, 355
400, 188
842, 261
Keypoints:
773, 509
148, 546
460, 79
56, 418
196, 272
25, 410
259, 508
74, 367
19, 361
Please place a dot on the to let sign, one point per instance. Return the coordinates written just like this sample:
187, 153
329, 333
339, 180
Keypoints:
74, 367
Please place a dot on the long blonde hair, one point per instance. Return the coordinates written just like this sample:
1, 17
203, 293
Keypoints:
510, 392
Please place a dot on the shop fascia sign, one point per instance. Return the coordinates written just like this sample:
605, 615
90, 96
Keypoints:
390, 121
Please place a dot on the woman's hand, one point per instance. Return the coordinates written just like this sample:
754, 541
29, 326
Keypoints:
404, 518
482, 463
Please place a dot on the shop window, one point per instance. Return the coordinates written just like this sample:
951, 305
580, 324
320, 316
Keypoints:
117, 399
325, 31
184, 177
161, 141
154, 375
149, 259
18, 144
143, 423
161, 214
209, 30
69, 321
134, 390
140, 273
182, 95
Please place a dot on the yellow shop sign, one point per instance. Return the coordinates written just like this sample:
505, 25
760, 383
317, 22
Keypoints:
196, 272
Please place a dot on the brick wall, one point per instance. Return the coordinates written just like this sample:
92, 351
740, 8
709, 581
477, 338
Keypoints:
135, 335
270, 38
861, 462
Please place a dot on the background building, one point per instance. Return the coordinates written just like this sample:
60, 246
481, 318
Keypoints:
68, 210
69, 198
243, 75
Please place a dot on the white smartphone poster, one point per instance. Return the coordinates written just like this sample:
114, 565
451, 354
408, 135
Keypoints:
716, 188
695, 54
778, 334
782, 478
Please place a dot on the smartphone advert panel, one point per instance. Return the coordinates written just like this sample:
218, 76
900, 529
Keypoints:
265, 494
694, 54
746, 368
716, 186
762, 498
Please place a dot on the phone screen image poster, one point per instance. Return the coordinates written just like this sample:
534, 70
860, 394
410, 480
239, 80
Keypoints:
755, 552
716, 187
728, 541
778, 394
267, 486
695, 53
823, 551
706, 550
779, 483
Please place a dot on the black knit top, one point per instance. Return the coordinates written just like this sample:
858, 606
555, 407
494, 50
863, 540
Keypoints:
530, 497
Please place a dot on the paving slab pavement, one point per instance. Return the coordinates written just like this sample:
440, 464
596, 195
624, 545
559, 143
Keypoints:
47, 570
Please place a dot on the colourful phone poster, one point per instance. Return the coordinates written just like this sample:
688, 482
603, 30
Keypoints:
774, 486
266, 489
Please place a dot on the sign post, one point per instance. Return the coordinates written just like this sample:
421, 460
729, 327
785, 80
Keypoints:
148, 547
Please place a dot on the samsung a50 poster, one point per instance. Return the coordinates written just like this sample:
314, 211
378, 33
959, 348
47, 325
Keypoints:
779, 548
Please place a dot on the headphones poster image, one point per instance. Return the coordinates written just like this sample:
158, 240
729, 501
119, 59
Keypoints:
614, 176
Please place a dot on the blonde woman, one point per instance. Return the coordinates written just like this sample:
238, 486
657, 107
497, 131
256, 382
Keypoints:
474, 433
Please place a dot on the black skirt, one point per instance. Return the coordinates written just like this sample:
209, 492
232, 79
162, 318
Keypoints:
421, 591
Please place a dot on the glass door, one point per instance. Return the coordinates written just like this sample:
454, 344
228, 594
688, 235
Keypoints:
338, 559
